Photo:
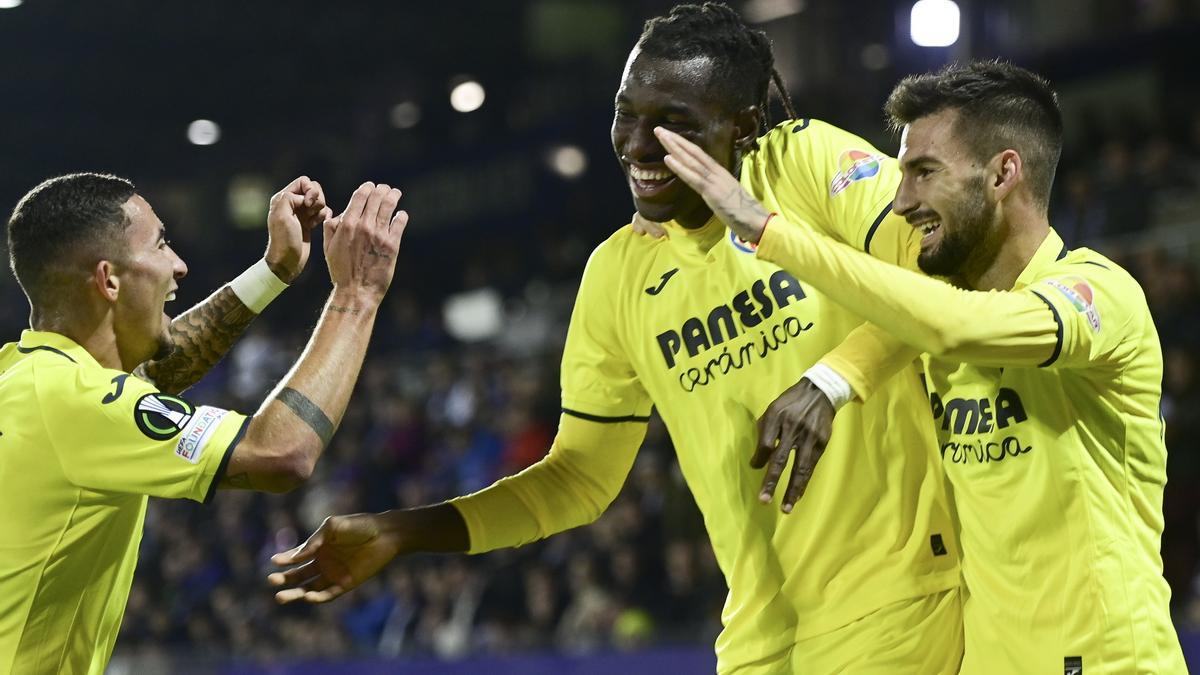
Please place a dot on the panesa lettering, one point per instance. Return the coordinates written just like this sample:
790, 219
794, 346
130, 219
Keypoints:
970, 416
747, 310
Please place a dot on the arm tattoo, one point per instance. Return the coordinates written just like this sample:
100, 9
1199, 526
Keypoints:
199, 338
308, 412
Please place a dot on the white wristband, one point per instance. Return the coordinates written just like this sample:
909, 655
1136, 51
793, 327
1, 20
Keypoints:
257, 286
834, 386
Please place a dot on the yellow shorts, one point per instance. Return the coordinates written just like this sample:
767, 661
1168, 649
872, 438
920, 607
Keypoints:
921, 636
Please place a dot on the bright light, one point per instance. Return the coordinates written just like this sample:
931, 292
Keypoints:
9, 4
473, 316
467, 96
934, 23
568, 161
405, 115
203, 132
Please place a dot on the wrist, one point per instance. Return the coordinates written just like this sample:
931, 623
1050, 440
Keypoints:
831, 383
258, 286
352, 302
281, 271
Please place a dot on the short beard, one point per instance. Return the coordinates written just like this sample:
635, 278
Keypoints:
972, 218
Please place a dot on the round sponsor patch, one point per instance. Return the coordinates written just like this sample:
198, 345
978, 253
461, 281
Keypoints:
1080, 295
854, 165
162, 416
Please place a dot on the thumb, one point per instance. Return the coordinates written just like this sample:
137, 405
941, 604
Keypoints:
302, 553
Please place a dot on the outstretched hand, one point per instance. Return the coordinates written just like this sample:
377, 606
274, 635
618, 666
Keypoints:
344, 552
801, 419
720, 189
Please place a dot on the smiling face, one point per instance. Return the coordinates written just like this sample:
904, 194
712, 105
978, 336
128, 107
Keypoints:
677, 95
147, 275
944, 192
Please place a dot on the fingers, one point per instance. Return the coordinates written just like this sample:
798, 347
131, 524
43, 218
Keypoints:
775, 467
375, 201
387, 207
768, 438
397, 225
296, 576
802, 471
358, 202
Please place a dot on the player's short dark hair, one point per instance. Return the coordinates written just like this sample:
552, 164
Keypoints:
60, 217
745, 65
999, 106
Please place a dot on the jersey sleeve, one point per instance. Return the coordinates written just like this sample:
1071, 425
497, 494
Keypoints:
1096, 312
571, 486
840, 184
598, 380
994, 328
113, 432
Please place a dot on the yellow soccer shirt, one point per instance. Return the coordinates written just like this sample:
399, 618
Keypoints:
697, 325
81, 447
1046, 400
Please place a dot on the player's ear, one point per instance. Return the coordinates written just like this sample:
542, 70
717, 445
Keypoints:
1006, 171
106, 280
746, 123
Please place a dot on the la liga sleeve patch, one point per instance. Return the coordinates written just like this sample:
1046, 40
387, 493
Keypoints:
1079, 293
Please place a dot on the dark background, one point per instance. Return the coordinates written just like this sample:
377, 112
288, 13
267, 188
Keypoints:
310, 87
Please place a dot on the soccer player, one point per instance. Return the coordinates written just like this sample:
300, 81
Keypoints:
84, 439
1043, 367
865, 578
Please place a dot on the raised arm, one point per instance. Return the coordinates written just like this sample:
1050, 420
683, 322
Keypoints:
988, 328
201, 336
288, 433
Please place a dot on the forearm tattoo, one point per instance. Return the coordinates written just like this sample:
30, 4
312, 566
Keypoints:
308, 412
200, 337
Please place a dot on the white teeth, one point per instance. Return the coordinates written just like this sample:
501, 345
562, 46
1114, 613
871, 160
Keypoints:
930, 227
171, 296
643, 174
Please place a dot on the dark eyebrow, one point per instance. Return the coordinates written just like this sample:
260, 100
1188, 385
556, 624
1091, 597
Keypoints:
910, 162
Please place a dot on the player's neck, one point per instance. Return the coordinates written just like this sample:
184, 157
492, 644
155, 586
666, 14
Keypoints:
1016, 244
96, 337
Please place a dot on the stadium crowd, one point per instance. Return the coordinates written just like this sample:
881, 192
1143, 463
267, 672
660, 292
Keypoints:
436, 417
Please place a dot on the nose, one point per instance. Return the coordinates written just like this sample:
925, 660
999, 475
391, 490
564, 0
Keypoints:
906, 198
641, 145
179, 269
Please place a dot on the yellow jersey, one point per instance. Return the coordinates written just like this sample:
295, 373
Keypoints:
1046, 400
81, 447
698, 326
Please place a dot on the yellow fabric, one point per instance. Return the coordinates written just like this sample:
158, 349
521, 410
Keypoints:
75, 470
918, 636
1057, 470
588, 460
697, 324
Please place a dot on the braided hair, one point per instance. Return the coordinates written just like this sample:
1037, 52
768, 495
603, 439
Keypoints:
745, 66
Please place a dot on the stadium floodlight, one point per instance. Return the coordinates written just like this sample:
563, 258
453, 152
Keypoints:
934, 23
568, 161
203, 132
467, 96
9, 4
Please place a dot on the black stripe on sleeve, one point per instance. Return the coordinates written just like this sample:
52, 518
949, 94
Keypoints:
1062, 254
1093, 262
875, 226
1058, 333
27, 350
220, 474
605, 420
